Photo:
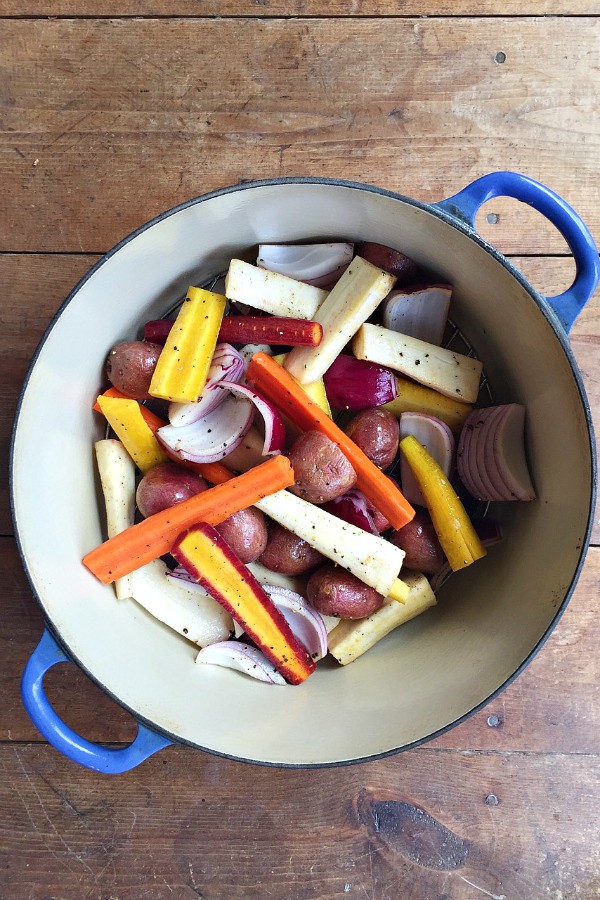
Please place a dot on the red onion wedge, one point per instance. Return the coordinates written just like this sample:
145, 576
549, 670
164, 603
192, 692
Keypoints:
227, 365
420, 311
436, 437
306, 623
357, 384
211, 438
243, 658
274, 427
353, 507
491, 462
318, 264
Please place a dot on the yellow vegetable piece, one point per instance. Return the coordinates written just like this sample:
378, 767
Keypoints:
414, 397
399, 591
314, 389
183, 364
125, 419
453, 527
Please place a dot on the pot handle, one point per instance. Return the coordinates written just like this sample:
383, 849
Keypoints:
466, 203
92, 756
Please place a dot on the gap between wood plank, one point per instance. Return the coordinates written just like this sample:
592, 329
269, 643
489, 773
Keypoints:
291, 17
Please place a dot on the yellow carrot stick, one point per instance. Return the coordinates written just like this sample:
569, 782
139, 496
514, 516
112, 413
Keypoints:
126, 420
456, 534
183, 364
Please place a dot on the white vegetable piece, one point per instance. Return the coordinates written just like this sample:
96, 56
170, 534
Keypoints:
186, 608
273, 293
374, 560
117, 476
353, 637
450, 373
354, 298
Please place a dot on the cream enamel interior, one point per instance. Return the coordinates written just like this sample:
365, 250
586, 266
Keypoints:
422, 677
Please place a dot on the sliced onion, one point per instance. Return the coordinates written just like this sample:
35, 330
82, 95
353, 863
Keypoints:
353, 507
227, 364
353, 383
211, 438
247, 454
274, 428
420, 311
317, 264
437, 438
242, 658
305, 622
492, 462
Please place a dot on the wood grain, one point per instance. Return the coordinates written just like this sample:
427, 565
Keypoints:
270, 8
105, 123
438, 824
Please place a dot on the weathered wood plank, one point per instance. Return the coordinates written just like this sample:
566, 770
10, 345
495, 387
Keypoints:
270, 8
97, 138
454, 826
553, 706
28, 309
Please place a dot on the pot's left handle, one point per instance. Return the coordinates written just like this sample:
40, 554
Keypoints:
92, 756
466, 203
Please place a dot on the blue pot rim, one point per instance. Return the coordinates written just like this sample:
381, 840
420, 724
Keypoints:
470, 233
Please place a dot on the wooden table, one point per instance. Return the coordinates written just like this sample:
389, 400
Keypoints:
113, 110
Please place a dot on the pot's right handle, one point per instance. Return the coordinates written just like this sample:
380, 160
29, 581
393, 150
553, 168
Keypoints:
92, 756
467, 202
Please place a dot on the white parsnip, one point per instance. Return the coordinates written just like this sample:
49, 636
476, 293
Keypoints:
273, 293
374, 560
187, 609
351, 638
354, 298
450, 373
117, 477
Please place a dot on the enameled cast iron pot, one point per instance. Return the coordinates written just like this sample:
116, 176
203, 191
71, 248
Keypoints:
426, 676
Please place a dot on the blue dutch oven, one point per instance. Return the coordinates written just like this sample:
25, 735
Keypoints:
426, 676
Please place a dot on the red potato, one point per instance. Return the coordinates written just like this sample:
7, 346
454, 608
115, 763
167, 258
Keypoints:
166, 485
322, 471
287, 553
420, 543
334, 592
246, 533
388, 259
130, 366
376, 432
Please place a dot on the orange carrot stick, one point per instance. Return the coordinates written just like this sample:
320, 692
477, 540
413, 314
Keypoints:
281, 389
153, 537
213, 472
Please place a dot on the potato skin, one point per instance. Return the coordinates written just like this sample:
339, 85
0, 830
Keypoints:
335, 592
165, 485
388, 259
246, 533
376, 432
130, 366
287, 553
420, 543
322, 471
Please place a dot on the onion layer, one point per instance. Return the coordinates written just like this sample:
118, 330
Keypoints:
353, 507
211, 438
491, 454
227, 364
437, 438
274, 427
420, 311
242, 658
305, 622
318, 264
